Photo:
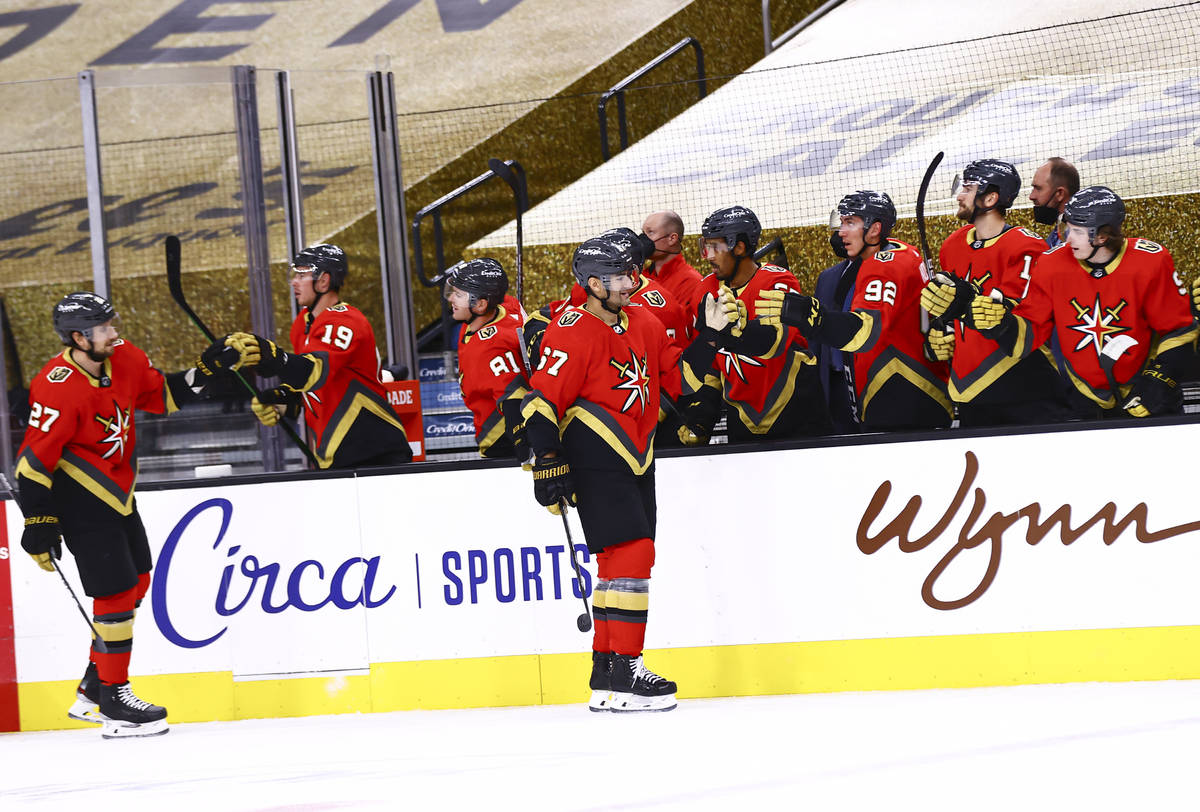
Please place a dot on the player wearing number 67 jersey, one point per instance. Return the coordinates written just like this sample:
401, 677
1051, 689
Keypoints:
333, 374
893, 382
987, 256
590, 417
490, 370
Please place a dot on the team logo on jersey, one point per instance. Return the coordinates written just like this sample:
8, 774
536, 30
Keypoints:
884, 256
569, 318
487, 332
58, 374
654, 298
634, 380
1147, 246
732, 364
118, 427
1097, 323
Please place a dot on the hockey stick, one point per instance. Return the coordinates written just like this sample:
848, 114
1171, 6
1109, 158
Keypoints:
1113, 349
506, 174
97, 642
175, 283
926, 257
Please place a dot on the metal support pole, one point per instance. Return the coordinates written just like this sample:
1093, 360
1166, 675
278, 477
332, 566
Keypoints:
289, 169
6, 448
391, 219
95, 188
254, 221
766, 8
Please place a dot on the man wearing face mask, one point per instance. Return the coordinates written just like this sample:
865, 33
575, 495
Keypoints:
1096, 288
990, 257
895, 385
1054, 183
763, 372
668, 268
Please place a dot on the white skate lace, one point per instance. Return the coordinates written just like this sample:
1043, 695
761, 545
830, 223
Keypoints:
640, 671
128, 698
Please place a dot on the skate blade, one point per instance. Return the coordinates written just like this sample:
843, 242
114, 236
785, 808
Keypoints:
601, 701
631, 703
85, 711
127, 730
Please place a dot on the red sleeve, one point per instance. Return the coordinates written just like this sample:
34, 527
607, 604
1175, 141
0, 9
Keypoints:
53, 422
563, 366
1018, 267
1167, 307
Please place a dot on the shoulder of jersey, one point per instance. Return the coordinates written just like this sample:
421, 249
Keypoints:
1148, 246
570, 316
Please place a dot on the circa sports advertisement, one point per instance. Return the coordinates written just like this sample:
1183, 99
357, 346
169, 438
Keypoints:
956, 538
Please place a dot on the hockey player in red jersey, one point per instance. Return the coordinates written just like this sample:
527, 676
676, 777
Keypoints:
590, 418
1096, 287
763, 372
490, 370
332, 373
75, 475
989, 256
896, 385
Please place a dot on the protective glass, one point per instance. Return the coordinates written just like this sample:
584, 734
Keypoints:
618, 283
455, 296
711, 246
302, 272
960, 184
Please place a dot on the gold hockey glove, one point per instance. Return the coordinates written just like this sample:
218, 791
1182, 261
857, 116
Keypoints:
42, 539
940, 345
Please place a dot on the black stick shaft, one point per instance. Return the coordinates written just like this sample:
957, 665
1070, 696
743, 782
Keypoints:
585, 620
175, 283
97, 641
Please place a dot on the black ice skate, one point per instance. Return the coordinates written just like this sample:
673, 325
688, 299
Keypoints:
601, 681
637, 688
87, 698
125, 715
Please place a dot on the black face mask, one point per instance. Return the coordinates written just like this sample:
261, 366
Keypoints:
839, 247
1046, 215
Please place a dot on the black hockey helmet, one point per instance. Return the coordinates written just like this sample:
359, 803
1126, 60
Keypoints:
1095, 206
988, 172
323, 259
733, 223
604, 257
872, 207
80, 312
640, 246
480, 278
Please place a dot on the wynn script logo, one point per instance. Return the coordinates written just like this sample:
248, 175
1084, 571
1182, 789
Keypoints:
975, 531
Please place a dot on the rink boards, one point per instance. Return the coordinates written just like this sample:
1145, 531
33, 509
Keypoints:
947, 562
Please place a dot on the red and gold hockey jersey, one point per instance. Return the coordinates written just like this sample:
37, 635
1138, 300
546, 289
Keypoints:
490, 372
345, 407
596, 381
658, 300
1003, 263
758, 384
82, 429
890, 345
1137, 293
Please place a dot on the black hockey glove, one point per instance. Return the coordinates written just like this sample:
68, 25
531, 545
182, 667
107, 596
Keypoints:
552, 483
1154, 392
219, 358
699, 413
793, 309
271, 404
948, 297
255, 351
42, 539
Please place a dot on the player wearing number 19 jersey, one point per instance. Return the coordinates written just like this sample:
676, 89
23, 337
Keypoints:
333, 371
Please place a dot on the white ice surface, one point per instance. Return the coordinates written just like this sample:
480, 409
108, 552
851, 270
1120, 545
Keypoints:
1063, 747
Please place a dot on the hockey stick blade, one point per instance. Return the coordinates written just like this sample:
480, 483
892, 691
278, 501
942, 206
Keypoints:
175, 284
926, 259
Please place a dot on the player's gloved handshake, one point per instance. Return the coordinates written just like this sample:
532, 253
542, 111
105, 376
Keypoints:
220, 357
805, 313
553, 483
261, 353
947, 297
1154, 392
42, 539
724, 314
